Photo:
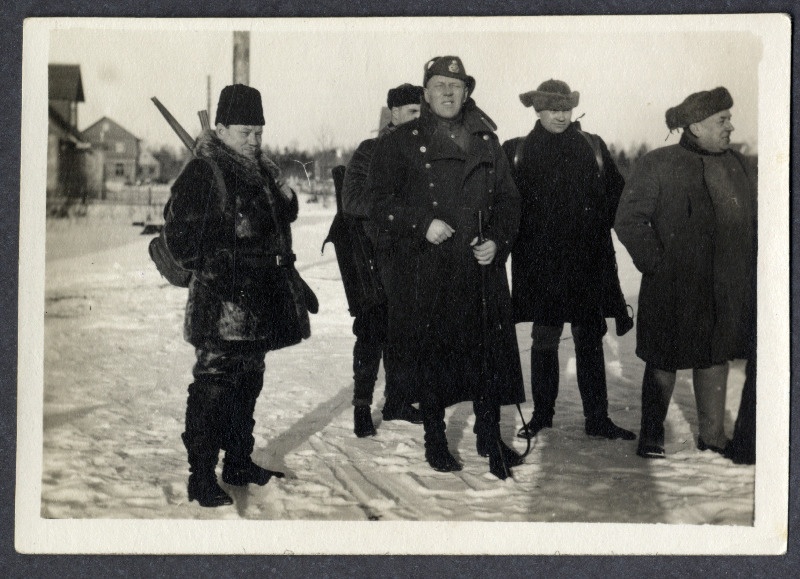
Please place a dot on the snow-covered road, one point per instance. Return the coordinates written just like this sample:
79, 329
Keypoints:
116, 370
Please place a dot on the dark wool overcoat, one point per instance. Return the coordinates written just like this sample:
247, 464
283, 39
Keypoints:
233, 241
563, 267
434, 291
696, 255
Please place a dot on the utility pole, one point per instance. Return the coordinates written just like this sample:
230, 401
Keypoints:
208, 94
241, 57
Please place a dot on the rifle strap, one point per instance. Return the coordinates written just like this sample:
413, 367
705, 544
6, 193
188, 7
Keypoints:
594, 143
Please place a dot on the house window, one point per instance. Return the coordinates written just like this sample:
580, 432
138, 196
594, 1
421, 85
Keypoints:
119, 170
119, 147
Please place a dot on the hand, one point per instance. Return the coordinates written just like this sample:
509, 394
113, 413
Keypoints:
287, 191
438, 232
484, 252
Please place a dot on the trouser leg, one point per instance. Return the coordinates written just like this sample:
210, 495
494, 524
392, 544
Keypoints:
436, 452
204, 426
742, 448
657, 387
240, 409
544, 370
591, 368
710, 387
369, 328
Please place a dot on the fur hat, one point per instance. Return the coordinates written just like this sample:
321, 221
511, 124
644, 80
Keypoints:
552, 95
239, 104
450, 66
405, 94
699, 106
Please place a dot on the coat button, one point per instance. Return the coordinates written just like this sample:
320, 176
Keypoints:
423, 149
436, 204
491, 171
485, 137
415, 132
430, 185
391, 218
427, 165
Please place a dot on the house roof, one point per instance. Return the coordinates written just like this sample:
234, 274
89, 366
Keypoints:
69, 131
89, 133
64, 82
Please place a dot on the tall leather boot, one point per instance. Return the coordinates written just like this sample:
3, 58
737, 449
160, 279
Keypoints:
436, 451
202, 441
238, 468
590, 367
710, 387
544, 390
489, 441
657, 387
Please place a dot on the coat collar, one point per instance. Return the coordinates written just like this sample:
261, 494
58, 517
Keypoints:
256, 172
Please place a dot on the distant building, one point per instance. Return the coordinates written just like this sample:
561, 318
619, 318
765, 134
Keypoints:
119, 148
69, 162
149, 167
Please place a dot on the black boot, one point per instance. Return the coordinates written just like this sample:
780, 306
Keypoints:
205, 490
240, 474
402, 411
238, 468
544, 388
436, 451
202, 442
484, 438
362, 422
604, 428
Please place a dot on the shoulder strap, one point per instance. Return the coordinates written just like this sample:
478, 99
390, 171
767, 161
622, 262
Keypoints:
220, 181
518, 152
595, 145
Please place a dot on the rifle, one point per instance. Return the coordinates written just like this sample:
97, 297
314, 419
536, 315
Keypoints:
488, 405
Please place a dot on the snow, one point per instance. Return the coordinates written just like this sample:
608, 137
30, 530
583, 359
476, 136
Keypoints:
116, 370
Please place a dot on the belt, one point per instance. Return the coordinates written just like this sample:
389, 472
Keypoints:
273, 260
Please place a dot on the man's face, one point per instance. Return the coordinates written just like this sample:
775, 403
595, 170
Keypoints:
714, 133
404, 113
555, 121
445, 95
244, 139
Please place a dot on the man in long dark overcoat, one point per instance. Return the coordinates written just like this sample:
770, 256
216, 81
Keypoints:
563, 268
370, 324
429, 181
688, 219
228, 220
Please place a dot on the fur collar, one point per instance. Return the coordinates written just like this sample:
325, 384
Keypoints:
209, 146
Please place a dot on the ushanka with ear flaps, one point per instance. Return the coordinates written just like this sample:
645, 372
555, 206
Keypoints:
552, 95
698, 106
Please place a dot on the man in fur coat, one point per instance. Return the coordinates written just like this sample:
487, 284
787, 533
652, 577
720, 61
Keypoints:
429, 180
370, 321
562, 263
228, 221
688, 219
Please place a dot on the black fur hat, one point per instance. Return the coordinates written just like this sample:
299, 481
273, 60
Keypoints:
699, 106
239, 104
405, 94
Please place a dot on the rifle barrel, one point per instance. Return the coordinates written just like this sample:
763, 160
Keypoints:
185, 137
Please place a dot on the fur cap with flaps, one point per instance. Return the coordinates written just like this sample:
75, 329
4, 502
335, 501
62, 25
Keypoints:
698, 106
552, 95
405, 94
450, 66
239, 104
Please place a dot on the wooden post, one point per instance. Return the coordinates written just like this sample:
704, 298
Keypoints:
241, 57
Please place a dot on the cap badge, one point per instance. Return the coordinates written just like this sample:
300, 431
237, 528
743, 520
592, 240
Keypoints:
453, 67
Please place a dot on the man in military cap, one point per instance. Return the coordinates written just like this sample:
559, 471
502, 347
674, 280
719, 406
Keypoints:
688, 219
370, 322
563, 268
429, 181
228, 221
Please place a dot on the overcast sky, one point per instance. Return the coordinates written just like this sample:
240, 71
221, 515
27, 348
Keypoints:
330, 77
